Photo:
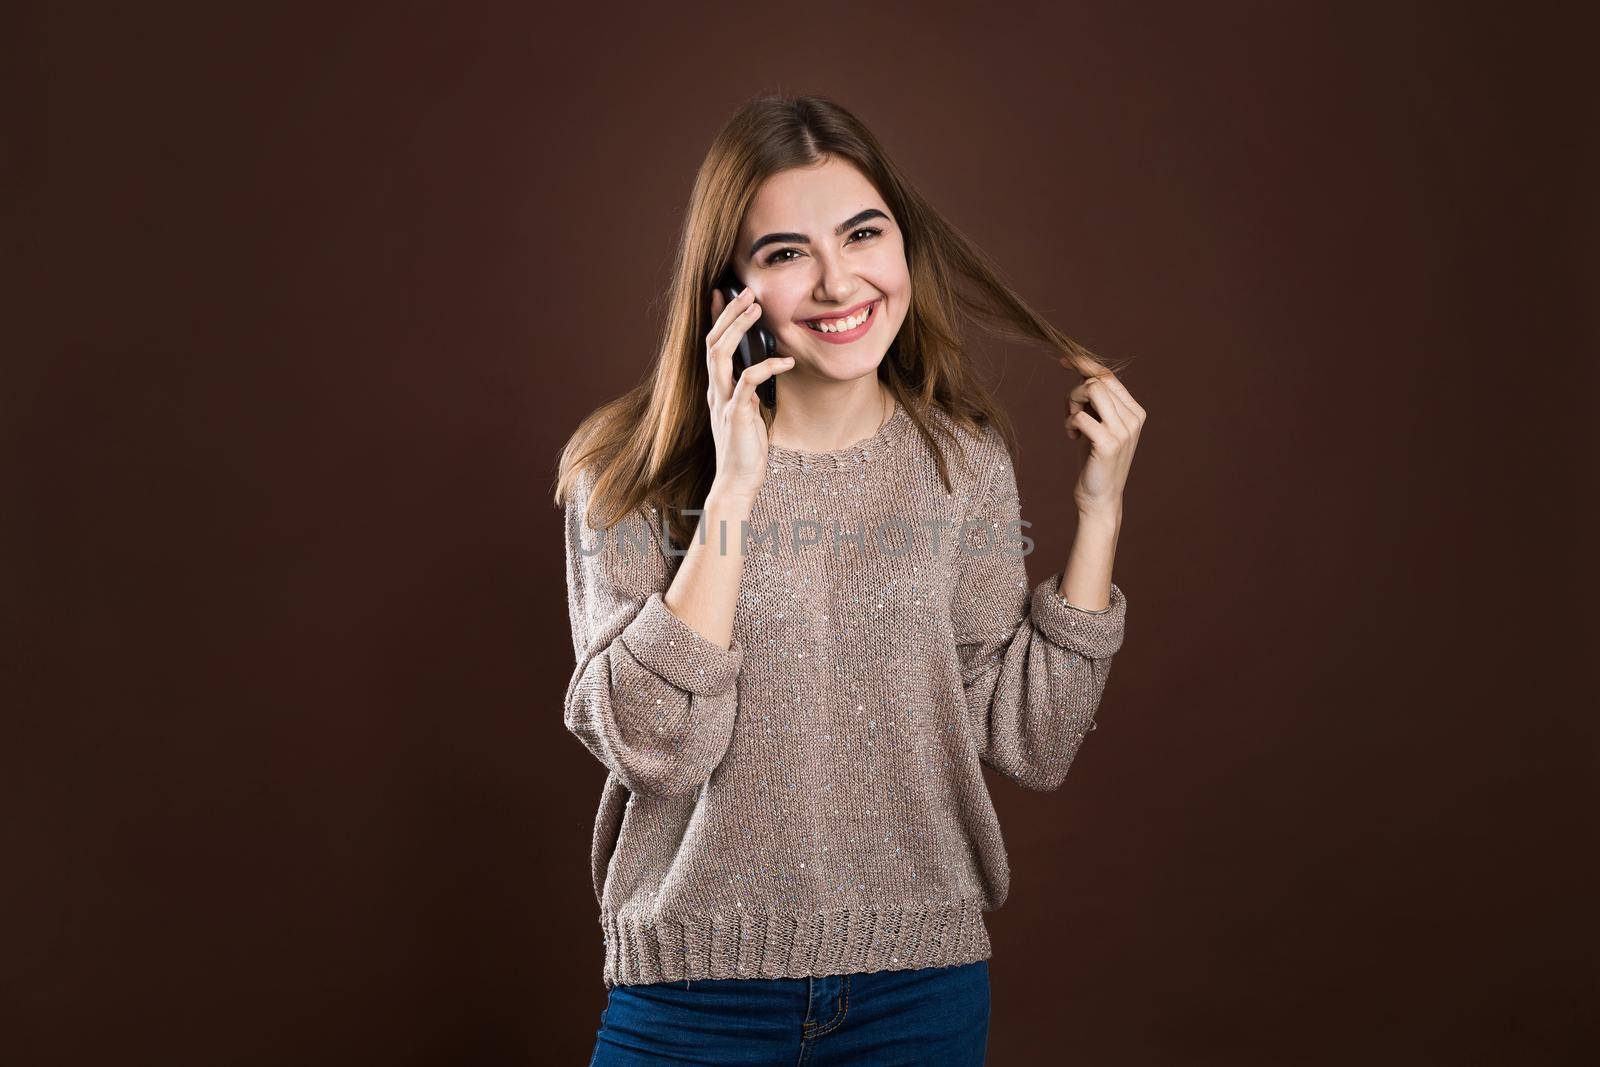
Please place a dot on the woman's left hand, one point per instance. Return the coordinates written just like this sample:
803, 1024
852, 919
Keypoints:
1112, 440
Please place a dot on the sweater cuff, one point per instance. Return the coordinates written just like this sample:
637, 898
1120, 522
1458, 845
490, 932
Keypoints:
679, 653
1095, 634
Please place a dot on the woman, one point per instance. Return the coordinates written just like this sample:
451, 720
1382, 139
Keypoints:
801, 629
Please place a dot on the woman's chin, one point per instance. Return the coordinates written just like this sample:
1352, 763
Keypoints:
838, 364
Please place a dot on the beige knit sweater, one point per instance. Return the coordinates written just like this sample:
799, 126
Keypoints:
809, 801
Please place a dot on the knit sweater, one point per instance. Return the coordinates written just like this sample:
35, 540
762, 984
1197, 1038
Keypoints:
810, 800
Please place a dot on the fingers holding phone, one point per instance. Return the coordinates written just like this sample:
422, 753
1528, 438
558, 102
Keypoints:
731, 315
755, 345
736, 377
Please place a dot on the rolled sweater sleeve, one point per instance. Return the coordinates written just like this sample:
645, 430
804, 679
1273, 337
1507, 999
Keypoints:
650, 697
1034, 666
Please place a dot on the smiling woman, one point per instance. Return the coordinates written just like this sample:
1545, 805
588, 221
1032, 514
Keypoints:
798, 199
834, 303
795, 844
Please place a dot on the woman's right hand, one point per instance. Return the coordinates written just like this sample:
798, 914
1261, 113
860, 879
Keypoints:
736, 424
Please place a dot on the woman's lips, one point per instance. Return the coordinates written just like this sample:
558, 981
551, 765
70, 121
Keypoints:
847, 336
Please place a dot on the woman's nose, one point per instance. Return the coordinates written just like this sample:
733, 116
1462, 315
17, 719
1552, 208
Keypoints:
835, 284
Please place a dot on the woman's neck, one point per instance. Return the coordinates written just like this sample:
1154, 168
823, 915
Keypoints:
829, 419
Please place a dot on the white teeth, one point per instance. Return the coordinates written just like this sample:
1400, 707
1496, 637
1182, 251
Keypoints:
841, 325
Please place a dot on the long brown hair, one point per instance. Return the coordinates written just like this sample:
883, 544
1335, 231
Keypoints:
653, 445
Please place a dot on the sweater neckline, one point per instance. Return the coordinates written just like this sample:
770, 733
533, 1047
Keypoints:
874, 447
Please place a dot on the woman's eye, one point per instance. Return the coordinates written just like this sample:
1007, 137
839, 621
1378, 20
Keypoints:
870, 231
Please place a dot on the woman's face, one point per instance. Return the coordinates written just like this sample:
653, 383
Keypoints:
825, 248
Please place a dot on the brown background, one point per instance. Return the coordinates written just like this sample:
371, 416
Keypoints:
307, 300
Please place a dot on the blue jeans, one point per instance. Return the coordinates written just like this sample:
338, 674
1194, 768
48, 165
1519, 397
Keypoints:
915, 1016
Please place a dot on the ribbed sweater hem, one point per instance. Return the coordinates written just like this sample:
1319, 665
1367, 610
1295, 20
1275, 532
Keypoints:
640, 950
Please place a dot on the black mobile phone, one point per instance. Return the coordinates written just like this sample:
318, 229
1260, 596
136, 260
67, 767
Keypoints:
756, 345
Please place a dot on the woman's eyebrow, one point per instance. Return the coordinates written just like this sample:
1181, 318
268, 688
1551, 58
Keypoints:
800, 238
